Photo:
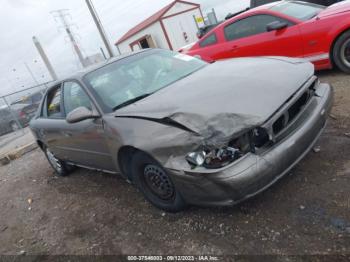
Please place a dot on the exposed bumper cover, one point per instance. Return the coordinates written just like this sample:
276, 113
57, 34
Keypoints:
254, 173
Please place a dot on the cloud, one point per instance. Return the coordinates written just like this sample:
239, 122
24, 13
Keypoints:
22, 19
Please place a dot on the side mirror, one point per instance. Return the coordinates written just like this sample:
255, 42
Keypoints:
80, 114
276, 25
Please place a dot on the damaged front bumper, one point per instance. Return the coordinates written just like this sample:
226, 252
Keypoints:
255, 172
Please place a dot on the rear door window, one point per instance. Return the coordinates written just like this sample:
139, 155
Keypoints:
209, 40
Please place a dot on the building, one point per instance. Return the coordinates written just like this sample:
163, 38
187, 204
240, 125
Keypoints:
172, 27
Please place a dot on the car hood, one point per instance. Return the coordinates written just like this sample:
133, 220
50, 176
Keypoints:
226, 97
334, 9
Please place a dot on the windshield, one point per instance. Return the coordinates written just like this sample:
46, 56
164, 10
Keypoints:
300, 10
138, 76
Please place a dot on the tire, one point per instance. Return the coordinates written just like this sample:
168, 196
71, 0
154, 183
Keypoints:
155, 184
14, 126
59, 166
341, 52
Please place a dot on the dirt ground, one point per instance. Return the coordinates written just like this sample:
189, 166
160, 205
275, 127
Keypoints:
307, 212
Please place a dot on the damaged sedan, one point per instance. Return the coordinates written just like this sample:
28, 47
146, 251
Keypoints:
183, 131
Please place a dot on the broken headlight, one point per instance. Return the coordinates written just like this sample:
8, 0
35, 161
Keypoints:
213, 158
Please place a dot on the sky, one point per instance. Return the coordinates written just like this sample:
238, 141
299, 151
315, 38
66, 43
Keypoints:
20, 20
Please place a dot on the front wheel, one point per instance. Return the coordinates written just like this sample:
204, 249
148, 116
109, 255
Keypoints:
155, 183
59, 166
341, 52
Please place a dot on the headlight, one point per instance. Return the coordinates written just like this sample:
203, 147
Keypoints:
219, 157
196, 158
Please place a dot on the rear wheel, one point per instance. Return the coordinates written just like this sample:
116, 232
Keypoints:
60, 167
341, 52
155, 183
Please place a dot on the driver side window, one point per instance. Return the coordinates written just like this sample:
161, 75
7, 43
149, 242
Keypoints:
74, 96
53, 107
250, 26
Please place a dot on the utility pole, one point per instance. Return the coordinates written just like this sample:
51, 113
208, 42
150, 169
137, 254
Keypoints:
62, 14
99, 27
44, 58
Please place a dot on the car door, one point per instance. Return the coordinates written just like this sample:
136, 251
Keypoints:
84, 142
249, 37
51, 120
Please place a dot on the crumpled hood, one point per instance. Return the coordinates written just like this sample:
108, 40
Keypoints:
226, 97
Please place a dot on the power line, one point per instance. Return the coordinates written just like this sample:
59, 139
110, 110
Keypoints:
62, 14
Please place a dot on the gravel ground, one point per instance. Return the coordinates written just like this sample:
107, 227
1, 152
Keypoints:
307, 212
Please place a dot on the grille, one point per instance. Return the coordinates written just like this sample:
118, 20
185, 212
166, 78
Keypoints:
288, 117
294, 110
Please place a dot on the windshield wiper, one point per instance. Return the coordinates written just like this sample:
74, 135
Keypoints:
131, 101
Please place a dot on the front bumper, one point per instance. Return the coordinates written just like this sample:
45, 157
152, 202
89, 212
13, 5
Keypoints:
254, 173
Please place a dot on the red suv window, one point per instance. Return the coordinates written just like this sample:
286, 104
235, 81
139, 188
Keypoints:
209, 40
